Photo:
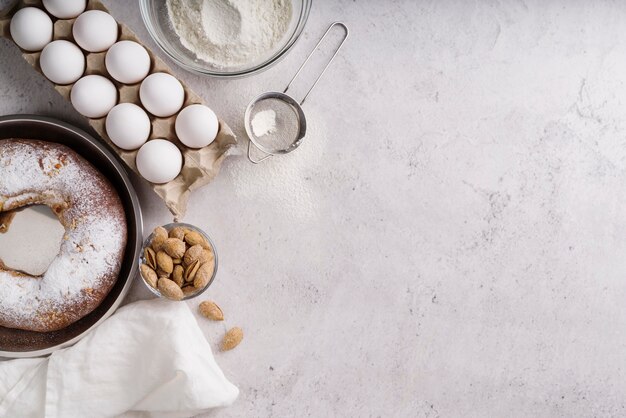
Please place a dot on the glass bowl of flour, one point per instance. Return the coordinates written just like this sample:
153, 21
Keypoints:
225, 38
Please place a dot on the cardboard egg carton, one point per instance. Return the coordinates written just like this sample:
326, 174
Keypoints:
200, 165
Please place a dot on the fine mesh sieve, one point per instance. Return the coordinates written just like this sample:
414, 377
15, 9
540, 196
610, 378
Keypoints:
274, 121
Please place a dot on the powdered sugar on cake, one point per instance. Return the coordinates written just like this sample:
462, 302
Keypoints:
90, 255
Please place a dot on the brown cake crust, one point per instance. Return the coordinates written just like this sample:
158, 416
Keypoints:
90, 257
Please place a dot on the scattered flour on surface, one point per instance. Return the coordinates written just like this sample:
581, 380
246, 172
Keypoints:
283, 181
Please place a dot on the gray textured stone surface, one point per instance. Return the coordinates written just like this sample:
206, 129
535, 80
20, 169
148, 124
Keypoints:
449, 240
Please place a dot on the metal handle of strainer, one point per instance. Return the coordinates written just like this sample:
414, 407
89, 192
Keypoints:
332, 25
284, 93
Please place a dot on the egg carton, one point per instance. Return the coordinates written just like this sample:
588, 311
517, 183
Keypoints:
200, 166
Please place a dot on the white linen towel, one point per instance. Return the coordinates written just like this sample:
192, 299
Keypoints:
149, 359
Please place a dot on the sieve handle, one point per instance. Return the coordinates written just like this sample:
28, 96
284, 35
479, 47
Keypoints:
311, 54
250, 155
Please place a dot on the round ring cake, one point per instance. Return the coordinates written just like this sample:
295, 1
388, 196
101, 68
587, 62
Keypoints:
90, 256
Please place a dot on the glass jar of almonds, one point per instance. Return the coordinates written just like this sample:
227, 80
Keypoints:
178, 261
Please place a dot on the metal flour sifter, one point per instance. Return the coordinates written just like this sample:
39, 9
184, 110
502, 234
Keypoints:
286, 127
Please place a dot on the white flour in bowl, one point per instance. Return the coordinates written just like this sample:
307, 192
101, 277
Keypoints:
230, 33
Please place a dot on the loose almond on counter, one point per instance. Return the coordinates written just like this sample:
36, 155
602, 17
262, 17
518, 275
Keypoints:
209, 309
232, 338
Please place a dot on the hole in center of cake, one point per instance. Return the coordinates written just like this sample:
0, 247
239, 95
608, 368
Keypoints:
31, 239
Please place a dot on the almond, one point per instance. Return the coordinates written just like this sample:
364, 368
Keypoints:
191, 271
189, 290
149, 275
232, 338
174, 247
203, 275
178, 233
150, 257
159, 235
169, 289
195, 238
193, 254
210, 310
207, 255
178, 275
164, 262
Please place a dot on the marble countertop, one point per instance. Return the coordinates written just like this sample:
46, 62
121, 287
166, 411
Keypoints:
449, 240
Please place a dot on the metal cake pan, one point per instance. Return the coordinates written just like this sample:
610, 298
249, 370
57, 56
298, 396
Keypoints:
18, 343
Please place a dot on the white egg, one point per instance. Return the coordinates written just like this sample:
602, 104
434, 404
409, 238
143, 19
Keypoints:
93, 96
128, 126
127, 62
159, 161
196, 126
95, 31
161, 94
62, 62
31, 28
65, 9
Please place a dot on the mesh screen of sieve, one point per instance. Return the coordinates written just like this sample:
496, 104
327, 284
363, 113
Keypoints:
275, 124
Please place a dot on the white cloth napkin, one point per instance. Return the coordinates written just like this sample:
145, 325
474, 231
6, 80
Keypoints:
150, 359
